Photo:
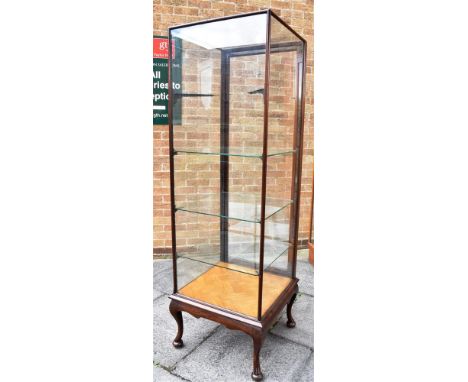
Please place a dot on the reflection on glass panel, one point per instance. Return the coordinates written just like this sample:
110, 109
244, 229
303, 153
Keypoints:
282, 101
276, 235
280, 266
236, 32
198, 96
188, 270
246, 104
279, 186
205, 128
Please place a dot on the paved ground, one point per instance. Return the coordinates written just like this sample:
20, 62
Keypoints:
214, 353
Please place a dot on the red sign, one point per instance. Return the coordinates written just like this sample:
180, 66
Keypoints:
161, 48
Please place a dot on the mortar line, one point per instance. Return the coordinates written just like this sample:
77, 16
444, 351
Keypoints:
157, 298
178, 376
170, 372
291, 341
196, 347
173, 367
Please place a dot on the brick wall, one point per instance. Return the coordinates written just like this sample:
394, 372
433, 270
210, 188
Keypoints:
298, 14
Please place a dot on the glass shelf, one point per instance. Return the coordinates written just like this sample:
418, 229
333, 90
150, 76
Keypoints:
249, 152
243, 253
242, 206
244, 136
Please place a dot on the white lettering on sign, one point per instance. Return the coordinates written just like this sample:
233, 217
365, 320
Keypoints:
160, 85
160, 97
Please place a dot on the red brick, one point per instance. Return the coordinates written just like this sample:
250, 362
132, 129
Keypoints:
299, 14
186, 11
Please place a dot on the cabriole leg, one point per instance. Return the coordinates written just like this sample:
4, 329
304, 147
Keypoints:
291, 323
257, 345
177, 314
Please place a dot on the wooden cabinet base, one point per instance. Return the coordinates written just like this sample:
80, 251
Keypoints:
232, 320
235, 291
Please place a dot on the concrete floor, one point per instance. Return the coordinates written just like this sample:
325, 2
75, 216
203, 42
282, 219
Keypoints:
214, 353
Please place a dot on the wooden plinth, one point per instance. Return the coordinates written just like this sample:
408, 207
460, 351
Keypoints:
252, 327
235, 290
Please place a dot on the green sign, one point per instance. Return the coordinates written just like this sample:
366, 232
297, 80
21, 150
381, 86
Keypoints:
160, 81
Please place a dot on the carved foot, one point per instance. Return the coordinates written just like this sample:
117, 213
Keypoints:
177, 314
257, 372
291, 323
178, 344
257, 377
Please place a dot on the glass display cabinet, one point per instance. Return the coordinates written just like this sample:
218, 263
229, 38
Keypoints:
236, 115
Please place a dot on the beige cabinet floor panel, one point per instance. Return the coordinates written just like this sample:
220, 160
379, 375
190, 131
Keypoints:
235, 290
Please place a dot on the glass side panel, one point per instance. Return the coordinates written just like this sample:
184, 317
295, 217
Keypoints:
282, 104
237, 247
277, 240
285, 53
217, 186
196, 104
281, 266
246, 103
282, 91
221, 108
188, 270
279, 185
